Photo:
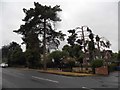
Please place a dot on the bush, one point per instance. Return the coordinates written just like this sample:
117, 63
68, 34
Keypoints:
97, 63
57, 56
69, 62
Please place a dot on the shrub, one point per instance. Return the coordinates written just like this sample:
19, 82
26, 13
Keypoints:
69, 62
58, 57
97, 63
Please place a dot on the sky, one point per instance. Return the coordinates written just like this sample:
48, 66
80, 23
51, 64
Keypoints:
101, 16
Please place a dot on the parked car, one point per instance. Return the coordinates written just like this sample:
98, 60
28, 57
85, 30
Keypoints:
4, 65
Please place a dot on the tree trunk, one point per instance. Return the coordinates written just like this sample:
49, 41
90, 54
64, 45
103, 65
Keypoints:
99, 54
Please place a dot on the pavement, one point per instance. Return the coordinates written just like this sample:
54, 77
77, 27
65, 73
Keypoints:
19, 78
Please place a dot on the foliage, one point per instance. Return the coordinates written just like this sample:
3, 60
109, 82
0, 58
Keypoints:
97, 38
40, 20
5, 51
118, 57
66, 48
80, 58
114, 56
33, 58
77, 50
69, 62
69, 49
72, 38
58, 56
91, 36
13, 55
91, 46
17, 57
97, 63
38, 30
39, 34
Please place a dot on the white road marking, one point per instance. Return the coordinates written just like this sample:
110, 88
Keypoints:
45, 79
87, 88
84, 87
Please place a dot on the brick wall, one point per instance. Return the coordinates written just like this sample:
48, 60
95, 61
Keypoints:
101, 70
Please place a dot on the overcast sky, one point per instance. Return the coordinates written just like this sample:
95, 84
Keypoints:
101, 16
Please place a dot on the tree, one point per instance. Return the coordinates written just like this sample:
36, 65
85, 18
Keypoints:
39, 22
73, 51
75, 44
17, 57
97, 50
48, 15
32, 58
13, 55
30, 35
80, 58
77, 51
98, 41
4, 53
66, 48
105, 43
91, 46
72, 38
96, 63
118, 57
58, 57
114, 56
69, 62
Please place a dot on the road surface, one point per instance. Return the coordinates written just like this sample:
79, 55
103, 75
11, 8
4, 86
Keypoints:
14, 78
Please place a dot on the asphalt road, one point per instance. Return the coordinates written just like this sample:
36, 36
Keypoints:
14, 78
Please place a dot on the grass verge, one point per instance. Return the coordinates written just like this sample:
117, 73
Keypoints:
58, 72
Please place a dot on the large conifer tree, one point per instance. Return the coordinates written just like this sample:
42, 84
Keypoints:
38, 30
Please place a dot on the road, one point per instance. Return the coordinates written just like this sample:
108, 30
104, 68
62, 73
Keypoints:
14, 78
